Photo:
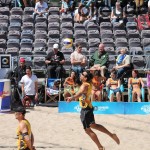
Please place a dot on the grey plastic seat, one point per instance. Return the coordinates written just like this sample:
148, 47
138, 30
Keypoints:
105, 26
41, 26
78, 26
28, 18
93, 42
41, 35
25, 51
133, 34
40, 44
106, 34
93, 34
136, 51
145, 34
3, 43
12, 51
15, 19
40, 19
4, 11
26, 43
65, 50
53, 41
146, 42
66, 18
53, 18
121, 42
27, 34
28, 26
92, 26
15, 26
2, 51
138, 62
16, 11
67, 34
131, 26
54, 26
4, 27
66, 26
92, 50
80, 34
110, 50
112, 62
3, 35
4, 19
13, 43
39, 62
120, 34
28, 11
118, 26
134, 42
82, 42
108, 42
146, 51
53, 10
119, 48
54, 34
14, 35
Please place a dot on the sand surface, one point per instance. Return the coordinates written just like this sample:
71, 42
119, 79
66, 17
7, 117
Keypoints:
55, 131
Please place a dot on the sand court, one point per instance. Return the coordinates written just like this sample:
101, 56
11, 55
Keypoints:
55, 131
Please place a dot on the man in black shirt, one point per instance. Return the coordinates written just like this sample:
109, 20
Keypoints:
20, 71
55, 61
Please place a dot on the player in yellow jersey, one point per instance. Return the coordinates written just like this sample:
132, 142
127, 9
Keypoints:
25, 137
87, 116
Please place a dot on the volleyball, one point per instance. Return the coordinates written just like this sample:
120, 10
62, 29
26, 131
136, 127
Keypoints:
67, 42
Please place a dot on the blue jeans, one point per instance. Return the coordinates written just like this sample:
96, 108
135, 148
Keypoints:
77, 69
121, 71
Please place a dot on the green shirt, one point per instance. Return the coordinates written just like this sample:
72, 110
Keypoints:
103, 60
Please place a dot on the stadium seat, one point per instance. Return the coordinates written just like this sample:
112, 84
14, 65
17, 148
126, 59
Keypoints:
12, 51
80, 34
4, 11
110, 50
108, 42
78, 26
66, 18
15, 26
133, 34
16, 11
121, 42
92, 26
120, 34
28, 26
53, 18
136, 51
15, 19
3, 35
41, 26
13, 43
138, 62
53, 26
54, 34
105, 26
66, 26
134, 42
13, 34
26, 43
25, 51
28, 18
82, 42
53, 11
131, 26
147, 51
39, 62
27, 34
112, 62
2, 51
93, 34
65, 50
67, 34
118, 26
145, 34
40, 45
40, 19
119, 48
4, 19
4, 27
53, 41
146, 42
28, 10
40, 35
106, 34
93, 42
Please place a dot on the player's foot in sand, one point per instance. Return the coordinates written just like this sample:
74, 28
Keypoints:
115, 138
101, 148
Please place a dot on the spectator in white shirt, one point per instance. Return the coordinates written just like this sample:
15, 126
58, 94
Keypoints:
30, 85
41, 8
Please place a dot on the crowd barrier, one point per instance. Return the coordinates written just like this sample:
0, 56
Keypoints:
124, 108
5, 95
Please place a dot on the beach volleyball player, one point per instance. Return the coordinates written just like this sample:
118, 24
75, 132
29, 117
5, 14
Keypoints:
87, 116
25, 137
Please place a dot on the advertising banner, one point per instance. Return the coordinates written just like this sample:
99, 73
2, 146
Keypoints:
5, 95
125, 108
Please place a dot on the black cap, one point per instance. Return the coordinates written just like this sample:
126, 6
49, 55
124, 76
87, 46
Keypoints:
20, 109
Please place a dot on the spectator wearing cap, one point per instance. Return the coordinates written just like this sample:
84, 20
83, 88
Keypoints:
54, 61
24, 133
78, 60
20, 71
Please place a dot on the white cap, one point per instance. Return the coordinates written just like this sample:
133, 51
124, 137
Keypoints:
55, 46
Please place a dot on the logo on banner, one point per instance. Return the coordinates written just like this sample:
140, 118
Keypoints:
146, 109
77, 108
5, 62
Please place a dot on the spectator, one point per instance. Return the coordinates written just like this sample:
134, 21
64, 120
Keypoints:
67, 7
122, 63
149, 6
69, 84
78, 17
134, 84
97, 86
30, 85
148, 84
55, 61
20, 71
108, 3
41, 8
118, 15
92, 16
114, 85
78, 60
99, 60
138, 4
